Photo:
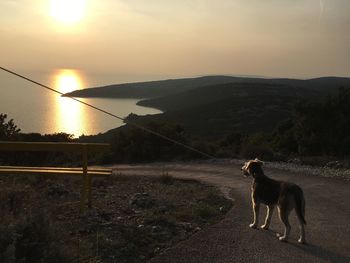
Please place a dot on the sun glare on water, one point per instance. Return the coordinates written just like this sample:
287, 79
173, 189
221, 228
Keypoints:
70, 115
67, 12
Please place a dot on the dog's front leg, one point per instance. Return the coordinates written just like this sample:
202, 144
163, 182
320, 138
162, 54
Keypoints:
256, 207
269, 212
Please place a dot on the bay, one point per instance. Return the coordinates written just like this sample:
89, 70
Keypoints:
35, 109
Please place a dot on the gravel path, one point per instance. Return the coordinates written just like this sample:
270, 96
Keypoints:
231, 240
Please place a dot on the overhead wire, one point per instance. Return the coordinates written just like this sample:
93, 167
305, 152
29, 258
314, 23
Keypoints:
110, 114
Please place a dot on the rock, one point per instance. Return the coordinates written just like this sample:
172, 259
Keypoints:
57, 190
186, 226
197, 229
294, 161
163, 209
334, 164
182, 235
156, 229
61, 217
142, 200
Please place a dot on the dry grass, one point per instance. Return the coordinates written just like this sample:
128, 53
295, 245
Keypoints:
132, 219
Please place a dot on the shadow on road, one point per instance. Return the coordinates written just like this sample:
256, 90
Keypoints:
314, 250
322, 253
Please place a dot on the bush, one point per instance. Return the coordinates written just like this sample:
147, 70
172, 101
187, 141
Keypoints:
132, 144
257, 146
32, 239
8, 129
207, 212
165, 178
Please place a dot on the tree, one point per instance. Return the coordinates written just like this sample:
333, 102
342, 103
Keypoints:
317, 128
132, 144
8, 129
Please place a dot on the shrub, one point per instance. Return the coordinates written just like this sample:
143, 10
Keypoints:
32, 239
165, 178
257, 145
206, 212
8, 129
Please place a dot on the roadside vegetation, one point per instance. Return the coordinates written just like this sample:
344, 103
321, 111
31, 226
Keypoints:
316, 133
133, 218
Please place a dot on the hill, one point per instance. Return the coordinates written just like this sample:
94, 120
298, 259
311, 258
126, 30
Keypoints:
216, 93
162, 88
150, 89
244, 87
245, 105
249, 114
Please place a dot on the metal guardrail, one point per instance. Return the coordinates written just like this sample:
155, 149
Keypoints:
84, 171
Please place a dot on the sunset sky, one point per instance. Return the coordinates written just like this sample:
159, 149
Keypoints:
167, 38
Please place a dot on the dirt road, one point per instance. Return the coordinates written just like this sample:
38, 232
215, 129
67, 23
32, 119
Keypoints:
231, 240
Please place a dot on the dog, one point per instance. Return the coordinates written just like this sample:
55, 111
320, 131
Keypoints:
286, 196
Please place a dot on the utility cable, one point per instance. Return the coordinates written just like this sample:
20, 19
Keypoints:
110, 114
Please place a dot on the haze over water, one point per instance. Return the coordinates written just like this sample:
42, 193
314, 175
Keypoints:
157, 39
35, 109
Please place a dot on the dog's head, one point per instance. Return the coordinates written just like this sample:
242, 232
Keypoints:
252, 167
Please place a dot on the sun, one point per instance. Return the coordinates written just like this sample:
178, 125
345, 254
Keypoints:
67, 12
67, 80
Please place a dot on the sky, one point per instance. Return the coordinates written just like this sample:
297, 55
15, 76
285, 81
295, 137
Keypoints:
167, 38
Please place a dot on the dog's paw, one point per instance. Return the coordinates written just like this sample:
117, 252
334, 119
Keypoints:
265, 227
253, 225
283, 239
302, 241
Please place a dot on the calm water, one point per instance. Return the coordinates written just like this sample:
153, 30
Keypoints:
35, 109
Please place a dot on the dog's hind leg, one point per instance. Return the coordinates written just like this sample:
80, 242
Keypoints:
300, 211
283, 215
256, 207
269, 211
302, 240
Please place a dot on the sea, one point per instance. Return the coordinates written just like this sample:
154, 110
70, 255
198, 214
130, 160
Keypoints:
38, 110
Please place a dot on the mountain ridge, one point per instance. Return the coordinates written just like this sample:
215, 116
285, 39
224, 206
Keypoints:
245, 105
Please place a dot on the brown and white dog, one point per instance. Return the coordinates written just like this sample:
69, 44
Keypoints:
286, 196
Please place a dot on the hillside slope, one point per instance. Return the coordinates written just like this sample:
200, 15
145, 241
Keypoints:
246, 105
150, 89
249, 114
215, 93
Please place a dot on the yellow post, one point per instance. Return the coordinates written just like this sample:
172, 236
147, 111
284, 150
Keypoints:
85, 183
89, 189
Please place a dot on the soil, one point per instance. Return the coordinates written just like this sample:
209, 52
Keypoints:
133, 218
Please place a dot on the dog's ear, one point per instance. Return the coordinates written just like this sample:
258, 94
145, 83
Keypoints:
244, 165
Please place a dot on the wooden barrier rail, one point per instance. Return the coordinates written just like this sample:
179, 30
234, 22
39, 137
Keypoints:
83, 148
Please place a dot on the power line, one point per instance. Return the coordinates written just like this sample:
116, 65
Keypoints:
110, 114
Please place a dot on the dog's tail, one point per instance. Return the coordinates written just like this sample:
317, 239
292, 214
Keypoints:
299, 203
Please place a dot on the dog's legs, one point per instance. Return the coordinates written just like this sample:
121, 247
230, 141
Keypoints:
301, 240
269, 211
283, 215
256, 207
300, 211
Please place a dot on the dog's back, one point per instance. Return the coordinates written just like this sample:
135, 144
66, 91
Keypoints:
272, 192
